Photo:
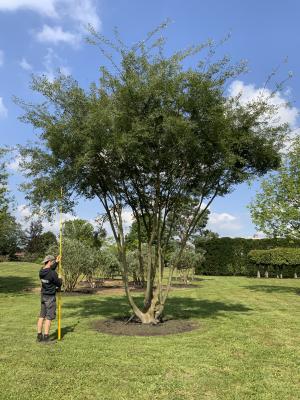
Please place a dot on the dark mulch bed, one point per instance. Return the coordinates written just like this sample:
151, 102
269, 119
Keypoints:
184, 286
120, 327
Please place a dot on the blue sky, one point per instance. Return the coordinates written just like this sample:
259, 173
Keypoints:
40, 36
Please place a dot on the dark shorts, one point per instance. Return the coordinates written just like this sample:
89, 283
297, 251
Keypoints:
48, 306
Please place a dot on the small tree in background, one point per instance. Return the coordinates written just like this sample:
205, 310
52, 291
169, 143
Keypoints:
276, 208
33, 234
110, 264
153, 137
78, 260
11, 235
85, 232
188, 263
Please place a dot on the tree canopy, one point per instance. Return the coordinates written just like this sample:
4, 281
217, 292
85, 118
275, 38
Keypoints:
151, 136
276, 208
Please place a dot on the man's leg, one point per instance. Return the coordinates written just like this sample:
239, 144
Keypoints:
50, 315
41, 321
47, 326
40, 325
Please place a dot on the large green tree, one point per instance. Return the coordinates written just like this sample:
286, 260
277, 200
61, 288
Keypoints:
11, 236
276, 208
151, 136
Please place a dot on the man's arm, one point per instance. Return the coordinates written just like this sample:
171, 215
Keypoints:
56, 280
55, 263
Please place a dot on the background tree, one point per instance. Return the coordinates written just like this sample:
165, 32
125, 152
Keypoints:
189, 261
46, 240
151, 137
85, 232
79, 260
110, 264
276, 209
33, 234
11, 235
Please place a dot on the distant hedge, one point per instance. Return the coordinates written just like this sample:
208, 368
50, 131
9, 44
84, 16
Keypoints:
229, 256
277, 259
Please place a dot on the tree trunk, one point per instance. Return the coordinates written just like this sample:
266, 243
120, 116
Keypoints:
266, 273
258, 273
141, 261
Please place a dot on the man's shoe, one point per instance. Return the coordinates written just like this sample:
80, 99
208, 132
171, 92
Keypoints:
39, 337
46, 338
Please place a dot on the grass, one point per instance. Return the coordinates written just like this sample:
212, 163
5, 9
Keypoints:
247, 346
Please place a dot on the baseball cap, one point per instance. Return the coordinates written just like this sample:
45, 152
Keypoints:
48, 258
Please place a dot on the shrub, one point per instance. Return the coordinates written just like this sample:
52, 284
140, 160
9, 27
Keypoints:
188, 262
229, 256
277, 259
78, 259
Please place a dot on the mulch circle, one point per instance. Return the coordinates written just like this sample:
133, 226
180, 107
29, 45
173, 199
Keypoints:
120, 327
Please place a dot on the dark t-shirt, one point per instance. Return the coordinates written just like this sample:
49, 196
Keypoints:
50, 280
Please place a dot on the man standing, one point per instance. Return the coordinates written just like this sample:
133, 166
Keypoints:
50, 283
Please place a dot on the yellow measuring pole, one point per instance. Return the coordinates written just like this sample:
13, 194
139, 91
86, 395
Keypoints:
59, 270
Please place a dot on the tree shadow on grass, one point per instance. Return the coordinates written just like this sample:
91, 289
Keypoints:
177, 307
15, 284
64, 331
273, 289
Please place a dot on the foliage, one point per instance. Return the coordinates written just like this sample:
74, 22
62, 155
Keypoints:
277, 256
85, 232
77, 260
229, 256
152, 137
110, 265
276, 209
189, 261
36, 241
47, 239
4, 193
11, 235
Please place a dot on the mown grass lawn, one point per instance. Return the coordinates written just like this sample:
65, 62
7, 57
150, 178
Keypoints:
247, 345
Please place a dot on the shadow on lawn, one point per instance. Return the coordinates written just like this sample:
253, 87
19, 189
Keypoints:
177, 307
64, 331
273, 289
15, 284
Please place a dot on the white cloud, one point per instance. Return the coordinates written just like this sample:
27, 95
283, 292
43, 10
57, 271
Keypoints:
24, 216
223, 221
25, 64
65, 70
44, 7
79, 13
258, 235
52, 64
57, 35
3, 109
23, 211
127, 218
14, 165
85, 12
251, 92
1, 57
54, 225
